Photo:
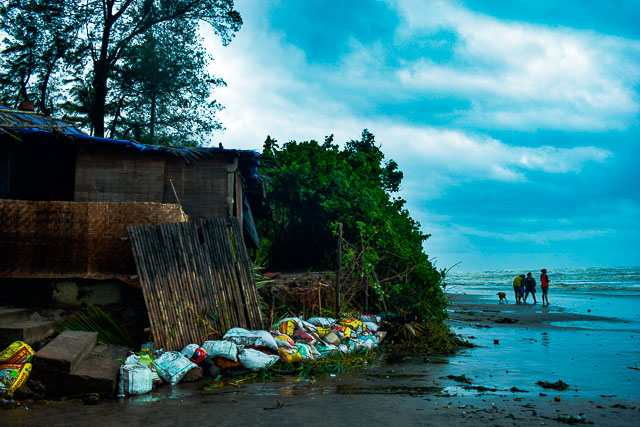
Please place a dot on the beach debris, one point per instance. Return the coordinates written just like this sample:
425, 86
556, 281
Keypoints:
515, 389
570, 419
496, 342
278, 406
637, 368
558, 385
557, 399
619, 405
459, 378
15, 367
507, 320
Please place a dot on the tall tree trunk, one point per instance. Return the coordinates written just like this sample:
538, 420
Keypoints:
101, 73
152, 116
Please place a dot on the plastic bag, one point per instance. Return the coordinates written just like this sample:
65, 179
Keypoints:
354, 324
284, 341
332, 338
194, 353
227, 349
172, 366
287, 326
371, 326
326, 350
322, 322
305, 351
244, 337
290, 355
13, 376
368, 318
342, 331
301, 336
323, 331
256, 360
17, 353
134, 379
146, 362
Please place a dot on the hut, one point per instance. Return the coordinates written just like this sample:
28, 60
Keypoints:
67, 198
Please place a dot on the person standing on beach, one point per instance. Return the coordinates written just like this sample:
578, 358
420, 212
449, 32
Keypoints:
530, 288
517, 287
544, 284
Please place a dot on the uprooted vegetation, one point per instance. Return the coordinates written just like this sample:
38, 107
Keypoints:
323, 204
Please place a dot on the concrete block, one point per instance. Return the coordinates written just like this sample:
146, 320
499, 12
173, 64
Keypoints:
97, 373
65, 352
12, 315
28, 331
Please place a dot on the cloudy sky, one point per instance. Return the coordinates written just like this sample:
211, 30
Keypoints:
515, 123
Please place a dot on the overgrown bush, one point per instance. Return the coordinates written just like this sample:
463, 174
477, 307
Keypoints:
311, 187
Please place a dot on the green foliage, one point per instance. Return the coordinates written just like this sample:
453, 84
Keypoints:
312, 187
94, 319
133, 68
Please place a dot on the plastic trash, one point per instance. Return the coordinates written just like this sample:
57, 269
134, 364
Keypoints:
301, 336
371, 326
326, 350
287, 326
322, 322
332, 338
194, 353
13, 376
146, 362
305, 351
290, 355
284, 341
172, 366
227, 349
248, 338
256, 360
17, 353
134, 379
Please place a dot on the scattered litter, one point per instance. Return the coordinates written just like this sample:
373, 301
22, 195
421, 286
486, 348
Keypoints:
558, 385
278, 406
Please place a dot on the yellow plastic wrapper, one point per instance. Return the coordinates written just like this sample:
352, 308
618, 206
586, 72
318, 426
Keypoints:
354, 324
289, 355
287, 327
323, 331
13, 376
17, 353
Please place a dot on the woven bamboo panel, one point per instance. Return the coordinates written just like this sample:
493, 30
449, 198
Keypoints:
73, 239
197, 280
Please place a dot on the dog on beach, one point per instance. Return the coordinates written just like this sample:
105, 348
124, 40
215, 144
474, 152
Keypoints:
502, 296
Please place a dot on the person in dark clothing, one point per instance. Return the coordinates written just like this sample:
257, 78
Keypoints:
530, 288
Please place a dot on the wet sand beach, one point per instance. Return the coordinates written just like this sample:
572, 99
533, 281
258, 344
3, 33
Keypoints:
494, 383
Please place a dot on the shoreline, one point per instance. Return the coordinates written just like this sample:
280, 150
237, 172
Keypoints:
478, 386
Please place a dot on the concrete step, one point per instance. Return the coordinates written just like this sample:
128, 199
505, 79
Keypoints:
65, 352
97, 373
28, 331
12, 315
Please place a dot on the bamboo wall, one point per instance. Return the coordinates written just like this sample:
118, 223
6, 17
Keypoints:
197, 280
73, 239
126, 176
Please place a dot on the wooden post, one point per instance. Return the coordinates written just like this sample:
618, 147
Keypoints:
338, 297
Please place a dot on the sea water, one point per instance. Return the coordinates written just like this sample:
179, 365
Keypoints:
596, 357
603, 291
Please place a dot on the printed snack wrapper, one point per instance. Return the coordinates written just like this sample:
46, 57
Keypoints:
17, 353
13, 376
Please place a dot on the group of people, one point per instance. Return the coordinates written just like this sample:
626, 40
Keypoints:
523, 286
